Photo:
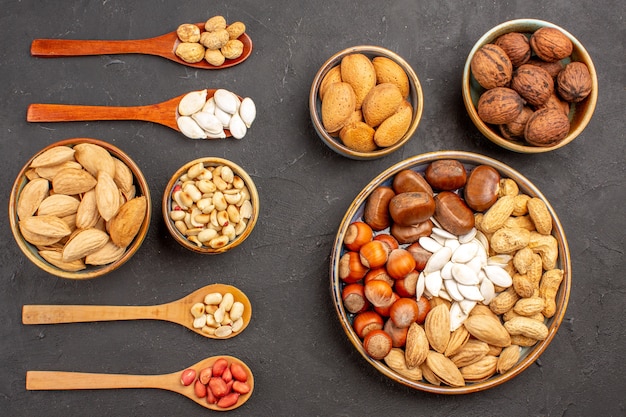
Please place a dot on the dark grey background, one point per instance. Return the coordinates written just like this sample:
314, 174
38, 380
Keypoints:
302, 362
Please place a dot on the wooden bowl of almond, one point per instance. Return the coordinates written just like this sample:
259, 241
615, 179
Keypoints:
450, 273
365, 102
80, 208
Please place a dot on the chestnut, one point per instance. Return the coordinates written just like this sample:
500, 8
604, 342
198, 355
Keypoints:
350, 267
482, 187
357, 234
410, 234
367, 321
420, 255
353, 296
399, 263
411, 208
408, 180
374, 254
376, 211
453, 214
446, 174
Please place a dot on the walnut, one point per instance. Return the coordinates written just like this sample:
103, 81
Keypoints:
574, 82
236, 29
533, 83
188, 32
516, 46
515, 129
215, 39
215, 23
555, 102
553, 68
233, 49
214, 57
551, 44
499, 105
546, 127
191, 52
491, 67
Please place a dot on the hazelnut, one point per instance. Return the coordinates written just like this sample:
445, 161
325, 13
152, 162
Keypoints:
574, 82
499, 105
491, 67
516, 46
551, 44
533, 83
546, 127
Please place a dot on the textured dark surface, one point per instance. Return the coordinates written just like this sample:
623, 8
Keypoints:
303, 363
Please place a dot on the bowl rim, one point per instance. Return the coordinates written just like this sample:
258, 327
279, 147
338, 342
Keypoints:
528, 25
525, 185
416, 96
166, 203
91, 271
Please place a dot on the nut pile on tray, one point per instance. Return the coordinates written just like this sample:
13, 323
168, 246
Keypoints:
530, 83
449, 274
79, 206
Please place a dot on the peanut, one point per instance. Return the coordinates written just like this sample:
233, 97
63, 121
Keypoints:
547, 247
529, 306
550, 282
495, 217
509, 240
504, 301
523, 286
527, 327
538, 212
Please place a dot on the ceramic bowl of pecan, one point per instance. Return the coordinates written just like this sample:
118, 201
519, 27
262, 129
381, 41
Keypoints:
80, 208
365, 102
210, 205
529, 86
450, 273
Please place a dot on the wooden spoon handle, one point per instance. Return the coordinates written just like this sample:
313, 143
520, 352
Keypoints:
71, 47
71, 112
55, 380
52, 314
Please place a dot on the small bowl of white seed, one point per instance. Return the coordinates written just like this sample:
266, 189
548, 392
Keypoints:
210, 205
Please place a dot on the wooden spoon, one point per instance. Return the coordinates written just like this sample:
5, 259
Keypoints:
163, 113
164, 46
56, 380
178, 311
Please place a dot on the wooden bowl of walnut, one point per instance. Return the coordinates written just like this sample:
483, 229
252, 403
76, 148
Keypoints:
210, 205
80, 208
358, 133
521, 120
446, 361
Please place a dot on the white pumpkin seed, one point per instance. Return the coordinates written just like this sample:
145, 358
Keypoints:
443, 233
208, 121
464, 275
465, 253
237, 127
247, 111
470, 292
457, 316
223, 117
433, 283
190, 128
467, 305
192, 102
419, 287
452, 244
446, 271
430, 244
498, 276
452, 289
500, 260
487, 290
467, 237
437, 260
209, 106
226, 101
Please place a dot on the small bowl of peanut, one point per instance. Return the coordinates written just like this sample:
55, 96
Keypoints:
365, 102
80, 208
529, 86
210, 205
450, 273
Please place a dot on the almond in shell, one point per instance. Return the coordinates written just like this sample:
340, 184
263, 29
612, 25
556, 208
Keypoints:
444, 369
59, 205
125, 225
508, 358
488, 329
358, 136
381, 102
123, 176
389, 71
416, 347
53, 156
392, 129
480, 370
437, 327
338, 105
107, 196
49, 226
95, 159
72, 181
56, 258
48, 172
83, 243
473, 351
33, 193
87, 214
395, 360
358, 71
105, 255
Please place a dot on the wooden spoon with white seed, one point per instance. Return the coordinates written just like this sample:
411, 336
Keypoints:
178, 311
164, 46
163, 113
57, 380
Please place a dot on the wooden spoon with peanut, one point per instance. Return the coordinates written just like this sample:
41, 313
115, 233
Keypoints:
164, 46
57, 380
178, 311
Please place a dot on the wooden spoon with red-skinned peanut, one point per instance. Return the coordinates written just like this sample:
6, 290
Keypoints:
58, 380
164, 46
178, 311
